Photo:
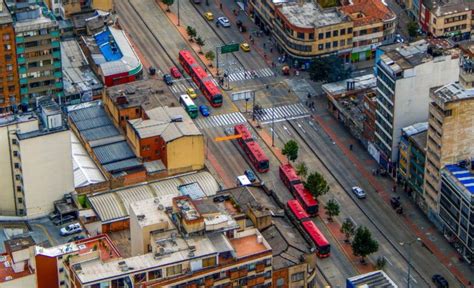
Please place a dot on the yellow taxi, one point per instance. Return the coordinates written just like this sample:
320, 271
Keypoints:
191, 93
209, 16
245, 47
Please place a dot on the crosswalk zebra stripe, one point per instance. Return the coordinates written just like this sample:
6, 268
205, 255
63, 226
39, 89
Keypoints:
294, 109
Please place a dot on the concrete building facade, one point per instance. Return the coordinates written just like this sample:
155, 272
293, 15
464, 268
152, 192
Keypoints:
9, 85
404, 76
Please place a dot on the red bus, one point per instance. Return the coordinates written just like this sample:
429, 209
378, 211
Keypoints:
306, 199
257, 156
323, 248
201, 78
297, 210
288, 176
246, 135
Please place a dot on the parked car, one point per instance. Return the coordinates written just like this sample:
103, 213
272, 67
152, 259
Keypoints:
191, 93
64, 219
76, 238
224, 22
359, 192
245, 47
250, 175
168, 79
395, 202
440, 281
175, 72
204, 110
71, 229
209, 16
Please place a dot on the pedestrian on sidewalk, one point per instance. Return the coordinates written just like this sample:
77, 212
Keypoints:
271, 49
220, 5
264, 44
265, 55
350, 147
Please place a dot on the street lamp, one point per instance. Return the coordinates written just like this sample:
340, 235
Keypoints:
409, 257
178, 13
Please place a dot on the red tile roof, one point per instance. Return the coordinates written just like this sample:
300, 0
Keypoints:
363, 12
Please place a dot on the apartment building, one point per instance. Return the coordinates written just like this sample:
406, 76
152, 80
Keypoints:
38, 51
450, 136
411, 162
37, 167
456, 207
9, 85
447, 18
404, 76
65, 8
374, 25
305, 30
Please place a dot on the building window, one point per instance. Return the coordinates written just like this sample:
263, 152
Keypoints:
321, 36
320, 47
334, 44
17, 165
6, 37
300, 35
17, 177
328, 34
18, 188
343, 31
448, 113
349, 30
342, 42
311, 36
280, 282
155, 274
7, 47
174, 270
140, 277
335, 33
20, 200
297, 277
328, 45
209, 262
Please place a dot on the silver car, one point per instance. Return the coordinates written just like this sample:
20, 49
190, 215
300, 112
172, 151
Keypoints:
224, 22
359, 192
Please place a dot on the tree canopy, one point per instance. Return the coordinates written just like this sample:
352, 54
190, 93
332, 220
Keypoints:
316, 184
290, 150
328, 69
363, 243
301, 169
168, 3
332, 209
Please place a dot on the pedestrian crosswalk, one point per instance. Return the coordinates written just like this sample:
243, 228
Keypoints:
281, 113
221, 120
245, 75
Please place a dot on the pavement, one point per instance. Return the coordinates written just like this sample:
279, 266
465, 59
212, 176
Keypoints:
414, 217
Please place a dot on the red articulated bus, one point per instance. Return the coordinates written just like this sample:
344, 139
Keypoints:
257, 156
288, 176
297, 210
306, 199
323, 248
246, 135
200, 77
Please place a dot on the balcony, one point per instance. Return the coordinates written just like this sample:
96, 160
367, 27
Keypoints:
39, 79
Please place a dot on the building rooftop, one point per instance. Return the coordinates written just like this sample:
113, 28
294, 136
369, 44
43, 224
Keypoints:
415, 128
109, 146
7, 271
452, 92
311, 15
17, 244
17, 118
364, 12
86, 171
447, 7
372, 279
113, 52
147, 94
249, 245
5, 16
78, 77
353, 84
463, 175
33, 18
161, 123
113, 205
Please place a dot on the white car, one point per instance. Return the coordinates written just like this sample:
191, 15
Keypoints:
224, 22
71, 229
359, 192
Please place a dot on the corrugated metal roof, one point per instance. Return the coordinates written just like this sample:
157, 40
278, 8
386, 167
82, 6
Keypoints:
113, 152
87, 113
85, 170
93, 123
100, 133
115, 204
123, 165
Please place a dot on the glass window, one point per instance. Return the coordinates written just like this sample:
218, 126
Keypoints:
297, 277
209, 262
343, 31
280, 282
335, 33
300, 35
334, 44
321, 36
328, 45
174, 270
320, 47
139, 278
311, 36
328, 34
155, 274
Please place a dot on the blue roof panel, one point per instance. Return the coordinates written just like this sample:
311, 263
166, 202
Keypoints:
463, 175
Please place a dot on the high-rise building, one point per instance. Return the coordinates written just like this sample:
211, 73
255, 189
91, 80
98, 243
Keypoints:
450, 135
38, 51
404, 76
36, 167
10, 88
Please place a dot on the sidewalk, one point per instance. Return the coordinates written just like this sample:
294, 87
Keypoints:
415, 219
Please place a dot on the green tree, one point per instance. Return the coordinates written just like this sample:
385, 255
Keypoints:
168, 3
290, 150
328, 69
210, 56
332, 209
316, 184
412, 29
348, 228
191, 32
200, 42
380, 263
363, 243
301, 169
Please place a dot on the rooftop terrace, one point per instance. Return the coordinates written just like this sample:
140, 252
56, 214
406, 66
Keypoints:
310, 15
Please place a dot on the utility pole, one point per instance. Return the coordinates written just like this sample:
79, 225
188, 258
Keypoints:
410, 243
273, 124
178, 13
